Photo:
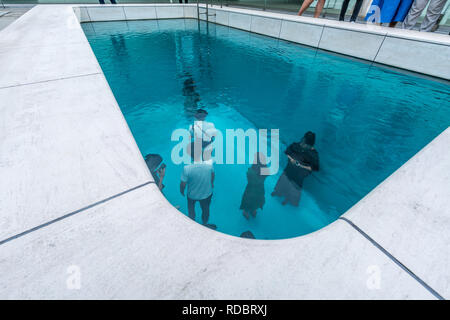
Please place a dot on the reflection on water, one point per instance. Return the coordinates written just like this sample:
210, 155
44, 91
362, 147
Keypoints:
368, 120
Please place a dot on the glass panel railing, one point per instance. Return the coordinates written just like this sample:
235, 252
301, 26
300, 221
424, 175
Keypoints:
331, 8
19, 2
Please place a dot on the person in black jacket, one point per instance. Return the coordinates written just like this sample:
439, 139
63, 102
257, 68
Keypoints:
303, 158
253, 197
355, 13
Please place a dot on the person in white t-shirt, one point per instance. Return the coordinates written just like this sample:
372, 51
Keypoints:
198, 177
201, 129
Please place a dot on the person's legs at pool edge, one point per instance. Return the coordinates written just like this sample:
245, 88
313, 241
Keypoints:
414, 13
433, 13
204, 204
355, 13
343, 10
306, 5
356, 10
191, 208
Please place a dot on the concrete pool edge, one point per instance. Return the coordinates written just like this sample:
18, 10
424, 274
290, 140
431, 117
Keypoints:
221, 243
404, 49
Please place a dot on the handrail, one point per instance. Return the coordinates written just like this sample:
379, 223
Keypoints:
207, 9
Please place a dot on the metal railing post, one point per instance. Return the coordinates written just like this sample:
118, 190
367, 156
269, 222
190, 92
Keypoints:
206, 12
198, 12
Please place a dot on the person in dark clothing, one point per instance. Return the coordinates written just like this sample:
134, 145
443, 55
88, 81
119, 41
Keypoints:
253, 197
198, 177
103, 1
202, 130
119, 45
157, 168
185, 1
191, 97
303, 158
247, 234
355, 13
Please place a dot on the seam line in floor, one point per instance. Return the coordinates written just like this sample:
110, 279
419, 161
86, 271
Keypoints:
395, 260
50, 80
21, 234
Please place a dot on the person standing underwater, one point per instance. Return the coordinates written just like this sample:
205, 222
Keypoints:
201, 129
303, 158
253, 197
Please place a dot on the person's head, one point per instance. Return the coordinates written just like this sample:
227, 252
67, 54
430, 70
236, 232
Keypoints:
247, 234
200, 114
309, 138
153, 161
189, 82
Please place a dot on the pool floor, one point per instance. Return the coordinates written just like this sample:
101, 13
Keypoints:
368, 120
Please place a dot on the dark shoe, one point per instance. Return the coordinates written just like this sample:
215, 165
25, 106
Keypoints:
211, 226
246, 215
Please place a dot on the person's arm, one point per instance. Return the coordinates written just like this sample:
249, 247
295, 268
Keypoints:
304, 167
315, 163
191, 131
183, 181
288, 150
298, 164
182, 187
162, 173
292, 160
316, 166
212, 131
212, 179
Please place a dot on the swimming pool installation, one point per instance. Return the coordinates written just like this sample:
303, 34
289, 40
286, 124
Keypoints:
368, 120
65, 128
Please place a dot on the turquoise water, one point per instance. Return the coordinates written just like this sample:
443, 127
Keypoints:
369, 120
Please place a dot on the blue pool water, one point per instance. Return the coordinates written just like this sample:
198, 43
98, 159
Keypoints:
369, 120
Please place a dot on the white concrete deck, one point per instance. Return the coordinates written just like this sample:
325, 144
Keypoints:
10, 14
66, 153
